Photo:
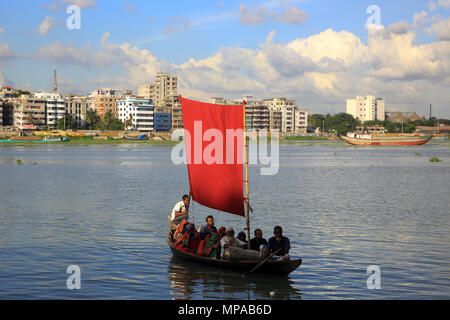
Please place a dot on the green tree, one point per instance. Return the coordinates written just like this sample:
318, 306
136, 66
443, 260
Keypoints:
111, 123
93, 121
67, 122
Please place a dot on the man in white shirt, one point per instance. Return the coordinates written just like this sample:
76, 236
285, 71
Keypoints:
180, 211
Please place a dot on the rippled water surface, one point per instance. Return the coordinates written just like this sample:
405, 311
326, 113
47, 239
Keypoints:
104, 208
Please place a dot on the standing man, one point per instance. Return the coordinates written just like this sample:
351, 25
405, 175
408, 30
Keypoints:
279, 245
180, 211
209, 228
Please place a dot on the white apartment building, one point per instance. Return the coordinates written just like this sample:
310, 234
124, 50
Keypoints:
165, 86
367, 108
293, 119
140, 111
300, 121
55, 107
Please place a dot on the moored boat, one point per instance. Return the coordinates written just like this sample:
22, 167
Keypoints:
401, 139
136, 138
36, 139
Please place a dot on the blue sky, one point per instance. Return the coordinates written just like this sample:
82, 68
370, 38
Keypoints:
211, 44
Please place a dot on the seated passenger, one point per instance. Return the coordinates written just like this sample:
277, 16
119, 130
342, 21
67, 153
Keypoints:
180, 231
230, 241
279, 245
259, 243
201, 250
209, 228
189, 241
212, 249
241, 236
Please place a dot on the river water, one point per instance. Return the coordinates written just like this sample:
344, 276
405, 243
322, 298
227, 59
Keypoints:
104, 208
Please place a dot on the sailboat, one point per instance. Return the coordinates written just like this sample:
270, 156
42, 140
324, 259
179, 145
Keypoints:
219, 184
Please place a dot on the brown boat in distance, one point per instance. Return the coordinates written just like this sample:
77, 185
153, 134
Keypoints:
386, 139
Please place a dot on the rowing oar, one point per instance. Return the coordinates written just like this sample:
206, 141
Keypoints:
262, 262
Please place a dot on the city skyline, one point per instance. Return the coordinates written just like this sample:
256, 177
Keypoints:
319, 53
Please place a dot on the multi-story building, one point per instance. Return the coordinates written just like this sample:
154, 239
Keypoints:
275, 120
293, 119
162, 121
6, 112
106, 100
366, 108
7, 92
55, 107
271, 114
140, 111
301, 121
77, 106
257, 117
29, 112
1, 112
165, 87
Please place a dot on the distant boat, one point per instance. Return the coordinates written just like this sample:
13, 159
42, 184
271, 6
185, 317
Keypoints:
138, 138
395, 139
36, 139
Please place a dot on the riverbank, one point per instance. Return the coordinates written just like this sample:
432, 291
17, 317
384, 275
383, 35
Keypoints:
90, 140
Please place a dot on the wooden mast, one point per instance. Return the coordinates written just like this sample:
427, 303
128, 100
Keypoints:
247, 202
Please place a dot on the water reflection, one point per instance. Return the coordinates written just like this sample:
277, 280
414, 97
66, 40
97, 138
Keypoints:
188, 280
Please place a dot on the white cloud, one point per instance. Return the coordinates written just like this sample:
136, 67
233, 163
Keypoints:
442, 29
46, 25
432, 6
420, 20
318, 71
81, 3
444, 3
180, 24
249, 17
261, 14
1, 31
56, 4
292, 15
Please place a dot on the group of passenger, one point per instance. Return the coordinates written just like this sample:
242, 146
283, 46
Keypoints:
217, 243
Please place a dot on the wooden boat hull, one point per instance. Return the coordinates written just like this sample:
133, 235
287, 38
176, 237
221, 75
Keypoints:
389, 140
277, 267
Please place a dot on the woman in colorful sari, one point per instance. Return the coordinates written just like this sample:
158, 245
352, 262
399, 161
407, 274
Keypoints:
190, 240
212, 249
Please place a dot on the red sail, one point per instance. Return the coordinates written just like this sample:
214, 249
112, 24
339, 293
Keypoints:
214, 142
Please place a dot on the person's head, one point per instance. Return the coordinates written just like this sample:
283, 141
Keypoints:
221, 232
241, 236
185, 199
210, 221
258, 234
278, 231
230, 232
